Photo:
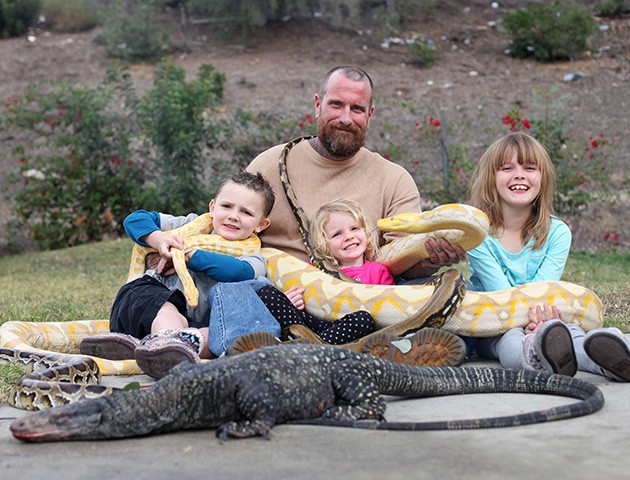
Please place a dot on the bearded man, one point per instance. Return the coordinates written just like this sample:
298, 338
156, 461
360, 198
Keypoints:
336, 164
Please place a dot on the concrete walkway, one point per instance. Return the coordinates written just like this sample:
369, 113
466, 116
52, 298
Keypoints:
591, 447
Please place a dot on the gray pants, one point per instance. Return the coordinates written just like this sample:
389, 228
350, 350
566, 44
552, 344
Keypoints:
508, 349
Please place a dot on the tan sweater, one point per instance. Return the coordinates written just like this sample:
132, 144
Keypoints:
381, 187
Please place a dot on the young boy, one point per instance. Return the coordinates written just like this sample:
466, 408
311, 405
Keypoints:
153, 307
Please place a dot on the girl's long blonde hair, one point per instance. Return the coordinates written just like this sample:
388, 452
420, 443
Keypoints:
321, 218
483, 192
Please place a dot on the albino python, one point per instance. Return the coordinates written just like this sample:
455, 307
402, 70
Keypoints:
480, 314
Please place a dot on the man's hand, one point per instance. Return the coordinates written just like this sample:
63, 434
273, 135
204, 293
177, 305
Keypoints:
442, 253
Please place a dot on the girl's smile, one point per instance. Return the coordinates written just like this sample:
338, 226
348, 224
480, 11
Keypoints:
346, 239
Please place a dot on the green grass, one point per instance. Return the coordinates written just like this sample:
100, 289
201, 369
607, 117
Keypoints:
77, 283
10, 373
608, 275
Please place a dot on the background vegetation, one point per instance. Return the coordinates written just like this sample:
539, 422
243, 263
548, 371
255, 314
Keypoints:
103, 150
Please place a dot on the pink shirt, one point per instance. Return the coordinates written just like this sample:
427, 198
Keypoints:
371, 273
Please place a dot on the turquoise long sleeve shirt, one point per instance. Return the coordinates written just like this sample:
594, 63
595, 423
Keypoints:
494, 268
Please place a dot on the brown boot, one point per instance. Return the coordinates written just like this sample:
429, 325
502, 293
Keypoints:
252, 341
112, 346
429, 347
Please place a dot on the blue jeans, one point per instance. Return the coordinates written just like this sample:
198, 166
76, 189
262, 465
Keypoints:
236, 309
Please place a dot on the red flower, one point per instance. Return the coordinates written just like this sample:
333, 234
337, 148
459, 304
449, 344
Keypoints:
607, 236
23, 160
594, 144
616, 237
116, 160
526, 124
386, 156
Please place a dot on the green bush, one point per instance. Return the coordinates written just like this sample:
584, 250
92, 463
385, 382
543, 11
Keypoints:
70, 15
16, 16
613, 8
78, 181
424, 52
549, 31
130, 31
175, 117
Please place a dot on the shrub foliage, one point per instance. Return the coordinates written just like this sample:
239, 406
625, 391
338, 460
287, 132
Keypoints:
549, 31
16, 16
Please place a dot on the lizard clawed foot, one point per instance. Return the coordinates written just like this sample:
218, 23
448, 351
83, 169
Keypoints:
245, 429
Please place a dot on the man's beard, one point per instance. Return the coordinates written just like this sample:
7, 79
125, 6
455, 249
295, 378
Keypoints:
341, 144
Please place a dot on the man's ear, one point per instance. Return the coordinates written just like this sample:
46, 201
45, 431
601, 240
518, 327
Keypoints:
262, 225
370, 113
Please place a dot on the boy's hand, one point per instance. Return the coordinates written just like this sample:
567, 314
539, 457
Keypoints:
296, 296
162, 260
163, 242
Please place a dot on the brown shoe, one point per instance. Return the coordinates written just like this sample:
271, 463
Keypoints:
112, 346
609, 348
429, 347
304, 334
252, 341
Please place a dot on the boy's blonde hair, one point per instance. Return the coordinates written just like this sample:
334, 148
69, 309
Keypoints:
321, 218
483, 192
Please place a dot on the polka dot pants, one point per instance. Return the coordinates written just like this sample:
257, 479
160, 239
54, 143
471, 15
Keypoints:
344, 330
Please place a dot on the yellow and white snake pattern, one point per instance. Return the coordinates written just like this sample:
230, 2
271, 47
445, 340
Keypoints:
481, 314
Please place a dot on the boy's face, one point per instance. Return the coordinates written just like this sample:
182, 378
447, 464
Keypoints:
237, 212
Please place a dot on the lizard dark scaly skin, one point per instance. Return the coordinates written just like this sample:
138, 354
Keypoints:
246, 395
